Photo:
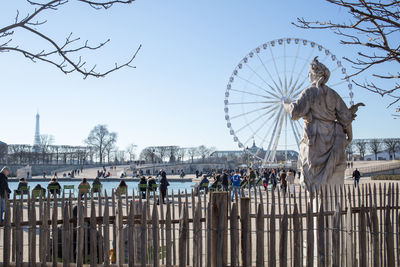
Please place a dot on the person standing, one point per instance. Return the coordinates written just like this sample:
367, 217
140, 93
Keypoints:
235, 180
225, 180
273, 179
356, 177
4, 189
163, 185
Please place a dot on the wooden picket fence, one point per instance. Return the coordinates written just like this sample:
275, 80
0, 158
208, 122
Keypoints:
337, 226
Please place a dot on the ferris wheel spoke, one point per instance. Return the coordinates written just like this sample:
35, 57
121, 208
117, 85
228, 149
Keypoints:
278, 136
269, 131
273, 133
294, 65
298, 90
258, 86
270, 76
302, 70
262, 79
295, 133
255, 102
252, 121
251, 111
249, 93
276, 69
284, 68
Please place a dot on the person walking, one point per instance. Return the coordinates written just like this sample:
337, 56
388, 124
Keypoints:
235, 180
290, 180
356, 177
282, 178
4, 189
272, 177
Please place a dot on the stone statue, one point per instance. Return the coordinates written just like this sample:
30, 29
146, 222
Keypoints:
326, 132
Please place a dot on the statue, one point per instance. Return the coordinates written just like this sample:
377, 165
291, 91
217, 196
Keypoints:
327, 129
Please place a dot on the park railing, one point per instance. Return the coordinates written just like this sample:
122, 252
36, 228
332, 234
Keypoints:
336, 226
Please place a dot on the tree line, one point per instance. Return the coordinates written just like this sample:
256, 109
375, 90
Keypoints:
373, 146
160, 154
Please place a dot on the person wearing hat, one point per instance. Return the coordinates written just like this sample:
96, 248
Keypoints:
4, 189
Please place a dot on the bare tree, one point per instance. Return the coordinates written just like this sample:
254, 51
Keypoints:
361, 146
391, 145
182, 153
148, 154
65, 55
161, 152
130, 149
204, 152
101, 139
45, 141
373, 29
375, 145
193, 152
173, 153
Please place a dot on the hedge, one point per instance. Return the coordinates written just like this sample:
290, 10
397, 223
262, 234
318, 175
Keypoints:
386, 177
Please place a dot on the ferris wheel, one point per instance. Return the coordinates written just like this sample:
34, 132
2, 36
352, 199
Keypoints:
268, 74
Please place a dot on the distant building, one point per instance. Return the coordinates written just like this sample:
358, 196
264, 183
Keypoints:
259, 152
36, 140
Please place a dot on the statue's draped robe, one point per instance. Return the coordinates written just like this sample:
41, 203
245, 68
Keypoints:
322, 148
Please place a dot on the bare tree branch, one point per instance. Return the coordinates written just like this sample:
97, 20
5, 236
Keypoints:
373, 26
65, 55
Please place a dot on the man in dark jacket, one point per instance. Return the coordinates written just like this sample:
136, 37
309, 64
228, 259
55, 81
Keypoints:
163, 185
356, 176
225, 180
4, 189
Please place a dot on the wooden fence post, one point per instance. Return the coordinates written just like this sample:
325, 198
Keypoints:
65, 238
168, 260
183, 235
120, 253
336, 237
93, 235
375, 237
310, 236
106, 231
143, 236
32, 232
272, 234
7, 232
260, 236
389, 239
283, 229
246, 233
219, 221
321, 236
156, 241
131, 232
234, 234
296, 238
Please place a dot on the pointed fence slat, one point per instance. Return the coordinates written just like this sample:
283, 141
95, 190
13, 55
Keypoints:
260, 236
283, 233
296, 238
168, 258
246, 233
234, 235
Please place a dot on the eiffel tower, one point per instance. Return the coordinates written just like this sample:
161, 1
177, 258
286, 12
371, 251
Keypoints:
36, 141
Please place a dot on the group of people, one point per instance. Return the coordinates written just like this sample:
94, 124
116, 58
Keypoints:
150, 185
249, 177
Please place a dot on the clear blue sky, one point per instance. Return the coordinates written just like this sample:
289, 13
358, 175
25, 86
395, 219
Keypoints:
175, 95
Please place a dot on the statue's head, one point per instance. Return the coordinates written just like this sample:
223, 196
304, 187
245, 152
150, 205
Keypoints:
318, 70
